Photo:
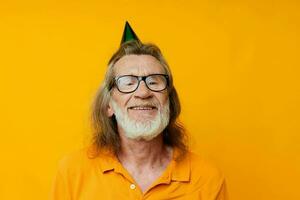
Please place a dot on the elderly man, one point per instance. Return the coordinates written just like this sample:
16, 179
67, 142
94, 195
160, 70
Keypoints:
138, 149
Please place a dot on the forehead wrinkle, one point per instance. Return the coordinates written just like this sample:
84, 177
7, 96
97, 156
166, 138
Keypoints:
138, 65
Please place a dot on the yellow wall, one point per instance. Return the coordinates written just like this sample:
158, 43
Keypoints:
235, 63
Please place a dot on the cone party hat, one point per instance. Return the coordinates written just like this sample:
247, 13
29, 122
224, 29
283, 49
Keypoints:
128, 34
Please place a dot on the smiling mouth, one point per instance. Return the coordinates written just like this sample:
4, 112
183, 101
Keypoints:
142, 108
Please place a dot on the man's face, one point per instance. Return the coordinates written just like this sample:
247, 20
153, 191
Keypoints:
144, 109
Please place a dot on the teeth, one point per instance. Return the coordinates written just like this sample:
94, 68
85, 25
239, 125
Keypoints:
142, 108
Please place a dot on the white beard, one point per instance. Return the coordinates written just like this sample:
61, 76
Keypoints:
147, 129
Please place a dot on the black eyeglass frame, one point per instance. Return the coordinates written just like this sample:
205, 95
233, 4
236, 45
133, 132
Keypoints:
141, 78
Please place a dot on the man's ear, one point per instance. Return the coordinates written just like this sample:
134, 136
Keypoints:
110, 110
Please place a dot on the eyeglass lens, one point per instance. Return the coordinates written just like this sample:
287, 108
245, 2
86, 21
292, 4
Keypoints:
129, 83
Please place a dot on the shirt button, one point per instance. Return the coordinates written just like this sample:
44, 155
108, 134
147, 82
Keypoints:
132, 186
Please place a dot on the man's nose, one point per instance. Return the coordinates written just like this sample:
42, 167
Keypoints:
143, 91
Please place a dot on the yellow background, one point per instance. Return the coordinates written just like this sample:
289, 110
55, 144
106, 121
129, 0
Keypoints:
235, 64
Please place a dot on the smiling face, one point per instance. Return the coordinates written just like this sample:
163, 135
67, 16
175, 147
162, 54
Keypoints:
142, 114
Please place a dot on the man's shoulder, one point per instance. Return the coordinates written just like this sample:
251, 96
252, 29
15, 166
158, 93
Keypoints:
79, 160
205, 177
73, 160
204, 169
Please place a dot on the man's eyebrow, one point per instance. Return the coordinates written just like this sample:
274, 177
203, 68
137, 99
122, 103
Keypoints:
130, 74
125, 75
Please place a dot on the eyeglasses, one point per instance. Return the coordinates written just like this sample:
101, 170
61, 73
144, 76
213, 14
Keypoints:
130, 83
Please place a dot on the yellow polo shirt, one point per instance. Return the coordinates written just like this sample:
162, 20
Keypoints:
104, 178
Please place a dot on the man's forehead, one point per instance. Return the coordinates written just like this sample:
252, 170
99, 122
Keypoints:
138, 65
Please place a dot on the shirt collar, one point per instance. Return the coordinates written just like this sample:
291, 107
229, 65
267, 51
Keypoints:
178, 171
182, 168
108, 161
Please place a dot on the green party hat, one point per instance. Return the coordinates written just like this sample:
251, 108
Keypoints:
128, 34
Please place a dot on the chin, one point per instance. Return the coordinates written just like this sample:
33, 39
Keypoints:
143, 118
143, 137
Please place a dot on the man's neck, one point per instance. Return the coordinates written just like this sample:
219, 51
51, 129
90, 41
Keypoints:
142, 153
144, 160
